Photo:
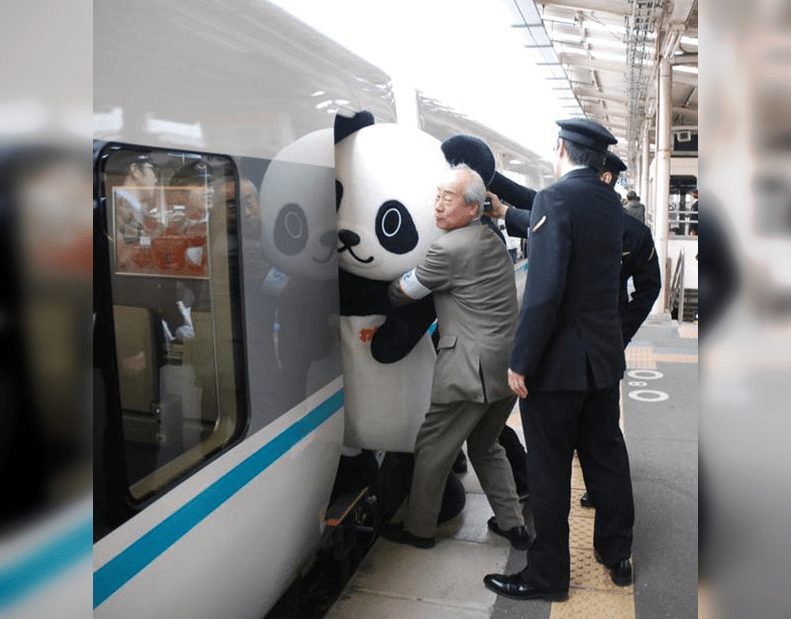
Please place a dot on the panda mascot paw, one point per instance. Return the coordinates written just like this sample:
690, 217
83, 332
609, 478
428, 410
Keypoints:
475, 153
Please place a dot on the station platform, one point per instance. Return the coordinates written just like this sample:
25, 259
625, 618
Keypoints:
660, 420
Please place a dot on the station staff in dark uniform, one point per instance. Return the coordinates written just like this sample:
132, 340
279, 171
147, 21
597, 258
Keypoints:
638, 261
638, 258
566, 366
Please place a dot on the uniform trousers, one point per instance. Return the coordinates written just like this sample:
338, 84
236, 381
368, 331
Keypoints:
555, 423
439, 439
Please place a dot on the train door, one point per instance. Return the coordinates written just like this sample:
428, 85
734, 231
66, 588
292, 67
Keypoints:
168, 365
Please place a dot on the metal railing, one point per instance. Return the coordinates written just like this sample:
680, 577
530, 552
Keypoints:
681, 221
677, 287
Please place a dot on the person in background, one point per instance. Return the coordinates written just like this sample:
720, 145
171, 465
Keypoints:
693, 226
638, 261
634, 207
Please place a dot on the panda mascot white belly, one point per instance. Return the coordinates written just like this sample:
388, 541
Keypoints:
386, 402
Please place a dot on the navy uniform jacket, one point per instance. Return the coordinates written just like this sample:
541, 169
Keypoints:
569, 334
638, 260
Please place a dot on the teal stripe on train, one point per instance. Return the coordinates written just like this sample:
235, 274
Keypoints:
132, 560
23, 577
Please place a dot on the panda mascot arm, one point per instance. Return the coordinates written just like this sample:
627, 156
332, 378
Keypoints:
517, 220
402, 330
476, 154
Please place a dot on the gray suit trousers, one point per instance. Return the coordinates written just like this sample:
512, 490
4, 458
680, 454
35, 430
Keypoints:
441, 436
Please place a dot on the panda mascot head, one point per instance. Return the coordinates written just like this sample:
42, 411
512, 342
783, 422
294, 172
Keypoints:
297, 208
387, 178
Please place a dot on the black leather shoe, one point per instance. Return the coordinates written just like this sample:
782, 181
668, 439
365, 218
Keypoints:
586, 501
515, 588
460, 464
518, 536
620, 573
396, 533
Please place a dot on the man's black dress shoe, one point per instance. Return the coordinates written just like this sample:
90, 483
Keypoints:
396, 533
515, 588
586, 501
518, 536
621, 572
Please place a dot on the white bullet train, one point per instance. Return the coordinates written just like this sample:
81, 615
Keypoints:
218, 392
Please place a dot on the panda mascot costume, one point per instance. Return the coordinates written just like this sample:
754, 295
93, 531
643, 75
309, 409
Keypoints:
386, 178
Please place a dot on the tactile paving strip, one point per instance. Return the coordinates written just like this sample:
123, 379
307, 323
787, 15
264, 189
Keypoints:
640, 357
581, 532
675, 358
596, 604
688, 331
587, 573
576, 476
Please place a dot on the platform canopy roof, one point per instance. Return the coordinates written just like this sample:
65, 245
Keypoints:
602, 57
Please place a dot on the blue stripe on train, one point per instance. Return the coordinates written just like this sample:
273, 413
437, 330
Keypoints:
132, 560
26, 575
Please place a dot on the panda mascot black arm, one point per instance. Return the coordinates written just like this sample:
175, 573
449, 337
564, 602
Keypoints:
402, 330
476, 154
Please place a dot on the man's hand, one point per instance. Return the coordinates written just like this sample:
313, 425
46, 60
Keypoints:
498, 208
517, 383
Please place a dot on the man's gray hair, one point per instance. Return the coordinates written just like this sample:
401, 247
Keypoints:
475, 191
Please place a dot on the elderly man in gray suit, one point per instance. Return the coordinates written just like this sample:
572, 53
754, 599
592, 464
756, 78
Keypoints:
468, 271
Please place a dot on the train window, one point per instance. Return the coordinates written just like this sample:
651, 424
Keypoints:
171, 234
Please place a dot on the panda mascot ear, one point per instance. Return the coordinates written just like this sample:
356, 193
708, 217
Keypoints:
515, 194
345, 125
471, 151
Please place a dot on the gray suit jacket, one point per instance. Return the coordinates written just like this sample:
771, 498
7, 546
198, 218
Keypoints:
471, 276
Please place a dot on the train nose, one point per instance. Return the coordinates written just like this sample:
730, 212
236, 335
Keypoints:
348, 238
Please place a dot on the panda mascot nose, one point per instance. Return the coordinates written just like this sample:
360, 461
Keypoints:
348, 238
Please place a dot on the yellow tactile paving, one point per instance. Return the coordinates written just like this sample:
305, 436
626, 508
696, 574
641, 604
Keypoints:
675, 358
581, 532
583, 604
587, 573
640, 357
688, 331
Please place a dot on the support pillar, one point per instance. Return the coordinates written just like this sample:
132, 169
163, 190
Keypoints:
662, 178
644, 163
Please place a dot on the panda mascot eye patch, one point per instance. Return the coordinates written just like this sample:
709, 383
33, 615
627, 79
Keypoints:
395, 229
338, 194
291, 230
